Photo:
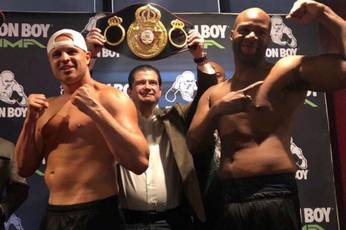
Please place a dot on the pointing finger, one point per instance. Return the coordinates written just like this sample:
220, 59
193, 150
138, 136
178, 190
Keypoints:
252, 86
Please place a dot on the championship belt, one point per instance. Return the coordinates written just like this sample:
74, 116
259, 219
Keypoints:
151, 32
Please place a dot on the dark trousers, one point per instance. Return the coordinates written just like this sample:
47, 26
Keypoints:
173, 219
213, 199
265, 202
95, 215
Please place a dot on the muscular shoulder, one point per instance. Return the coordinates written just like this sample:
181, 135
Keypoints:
289, 62
108, 93
217, 91
112, 98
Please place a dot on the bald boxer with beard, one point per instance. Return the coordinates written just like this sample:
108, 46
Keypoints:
253, 113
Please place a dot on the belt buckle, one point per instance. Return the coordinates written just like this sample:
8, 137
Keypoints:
152, 216
147, 36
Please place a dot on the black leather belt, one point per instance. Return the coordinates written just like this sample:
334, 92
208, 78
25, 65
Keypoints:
136, 216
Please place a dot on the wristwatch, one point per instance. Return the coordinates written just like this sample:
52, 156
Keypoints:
201, 59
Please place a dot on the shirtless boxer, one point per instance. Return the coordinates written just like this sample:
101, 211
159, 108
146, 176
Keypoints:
81, 134
254, 118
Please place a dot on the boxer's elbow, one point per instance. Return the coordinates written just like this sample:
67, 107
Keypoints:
25, 171
142, 163
192, 143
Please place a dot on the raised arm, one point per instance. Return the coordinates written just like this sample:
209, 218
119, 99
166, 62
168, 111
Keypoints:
95, 41
116, 117
305, 11
28, 154
325, 72
206, 73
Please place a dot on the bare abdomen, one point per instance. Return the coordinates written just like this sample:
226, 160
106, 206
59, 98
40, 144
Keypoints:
79, 175
253, 159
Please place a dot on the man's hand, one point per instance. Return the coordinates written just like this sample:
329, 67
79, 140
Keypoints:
95, 41
305, 11
195, 43
85, 99
37, 104
236, 101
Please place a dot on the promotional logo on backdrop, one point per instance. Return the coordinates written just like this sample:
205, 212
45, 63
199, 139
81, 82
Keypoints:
121, 87
185, 85
11, 93
301, 161
14, 222
312, 227
307, 101
40, 171
319, 215
22, 35
212, 32
283, 36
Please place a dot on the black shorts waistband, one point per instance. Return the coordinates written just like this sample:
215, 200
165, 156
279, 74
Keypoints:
96, 204
259, 186
282, 178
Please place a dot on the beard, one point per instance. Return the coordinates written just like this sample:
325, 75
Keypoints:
252, 59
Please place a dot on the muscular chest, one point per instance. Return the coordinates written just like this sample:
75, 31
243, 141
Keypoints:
254, 121
68, 123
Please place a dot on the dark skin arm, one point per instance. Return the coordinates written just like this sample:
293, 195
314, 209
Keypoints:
205, 72
326, 72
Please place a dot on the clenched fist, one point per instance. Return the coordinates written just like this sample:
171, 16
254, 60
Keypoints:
37, 104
